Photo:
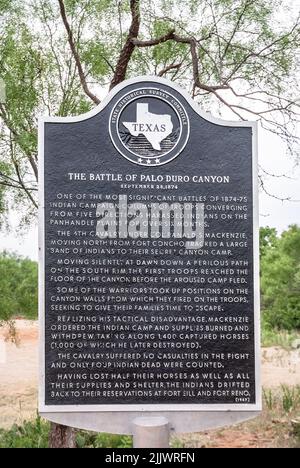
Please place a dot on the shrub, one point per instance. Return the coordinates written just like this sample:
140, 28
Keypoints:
280, 278
32, 434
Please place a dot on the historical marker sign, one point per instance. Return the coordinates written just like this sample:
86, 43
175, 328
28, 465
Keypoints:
149, 251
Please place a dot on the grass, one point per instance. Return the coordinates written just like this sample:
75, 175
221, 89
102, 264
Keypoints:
91, 440
281, 338
269, 398
277, 426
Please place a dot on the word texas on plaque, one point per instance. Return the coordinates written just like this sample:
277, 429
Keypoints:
149, 296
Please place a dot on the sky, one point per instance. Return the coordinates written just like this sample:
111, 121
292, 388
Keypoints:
273, 212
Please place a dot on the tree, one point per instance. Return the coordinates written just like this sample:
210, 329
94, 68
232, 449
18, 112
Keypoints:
57, 57
236, 56
280, 278
18, 287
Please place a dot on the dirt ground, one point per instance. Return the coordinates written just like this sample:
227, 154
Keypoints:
18, 380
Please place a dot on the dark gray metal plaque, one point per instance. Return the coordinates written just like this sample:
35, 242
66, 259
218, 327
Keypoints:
149, 297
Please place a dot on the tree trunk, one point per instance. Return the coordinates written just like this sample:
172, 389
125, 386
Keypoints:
62, 437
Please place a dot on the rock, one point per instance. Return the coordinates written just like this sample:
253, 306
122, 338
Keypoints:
296, 344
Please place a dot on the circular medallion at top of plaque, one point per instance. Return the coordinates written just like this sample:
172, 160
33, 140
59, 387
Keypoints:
149, 126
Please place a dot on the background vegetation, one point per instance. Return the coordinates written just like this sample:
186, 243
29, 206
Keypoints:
237, 58
35, 434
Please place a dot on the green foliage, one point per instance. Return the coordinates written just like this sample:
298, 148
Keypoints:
284, 398
280, 278
267, 237
176, 443
5, 5
18, 287
290, 398
97, 56
22, 64
113, 441
241, 43
281, 413
86, 439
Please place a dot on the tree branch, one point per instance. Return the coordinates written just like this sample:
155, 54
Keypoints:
9, 185
236, 28
193, 43
275, 176
76, 54
129, 46
153, 42
10, 179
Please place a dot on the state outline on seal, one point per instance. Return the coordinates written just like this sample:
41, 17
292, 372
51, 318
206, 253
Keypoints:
138, 149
